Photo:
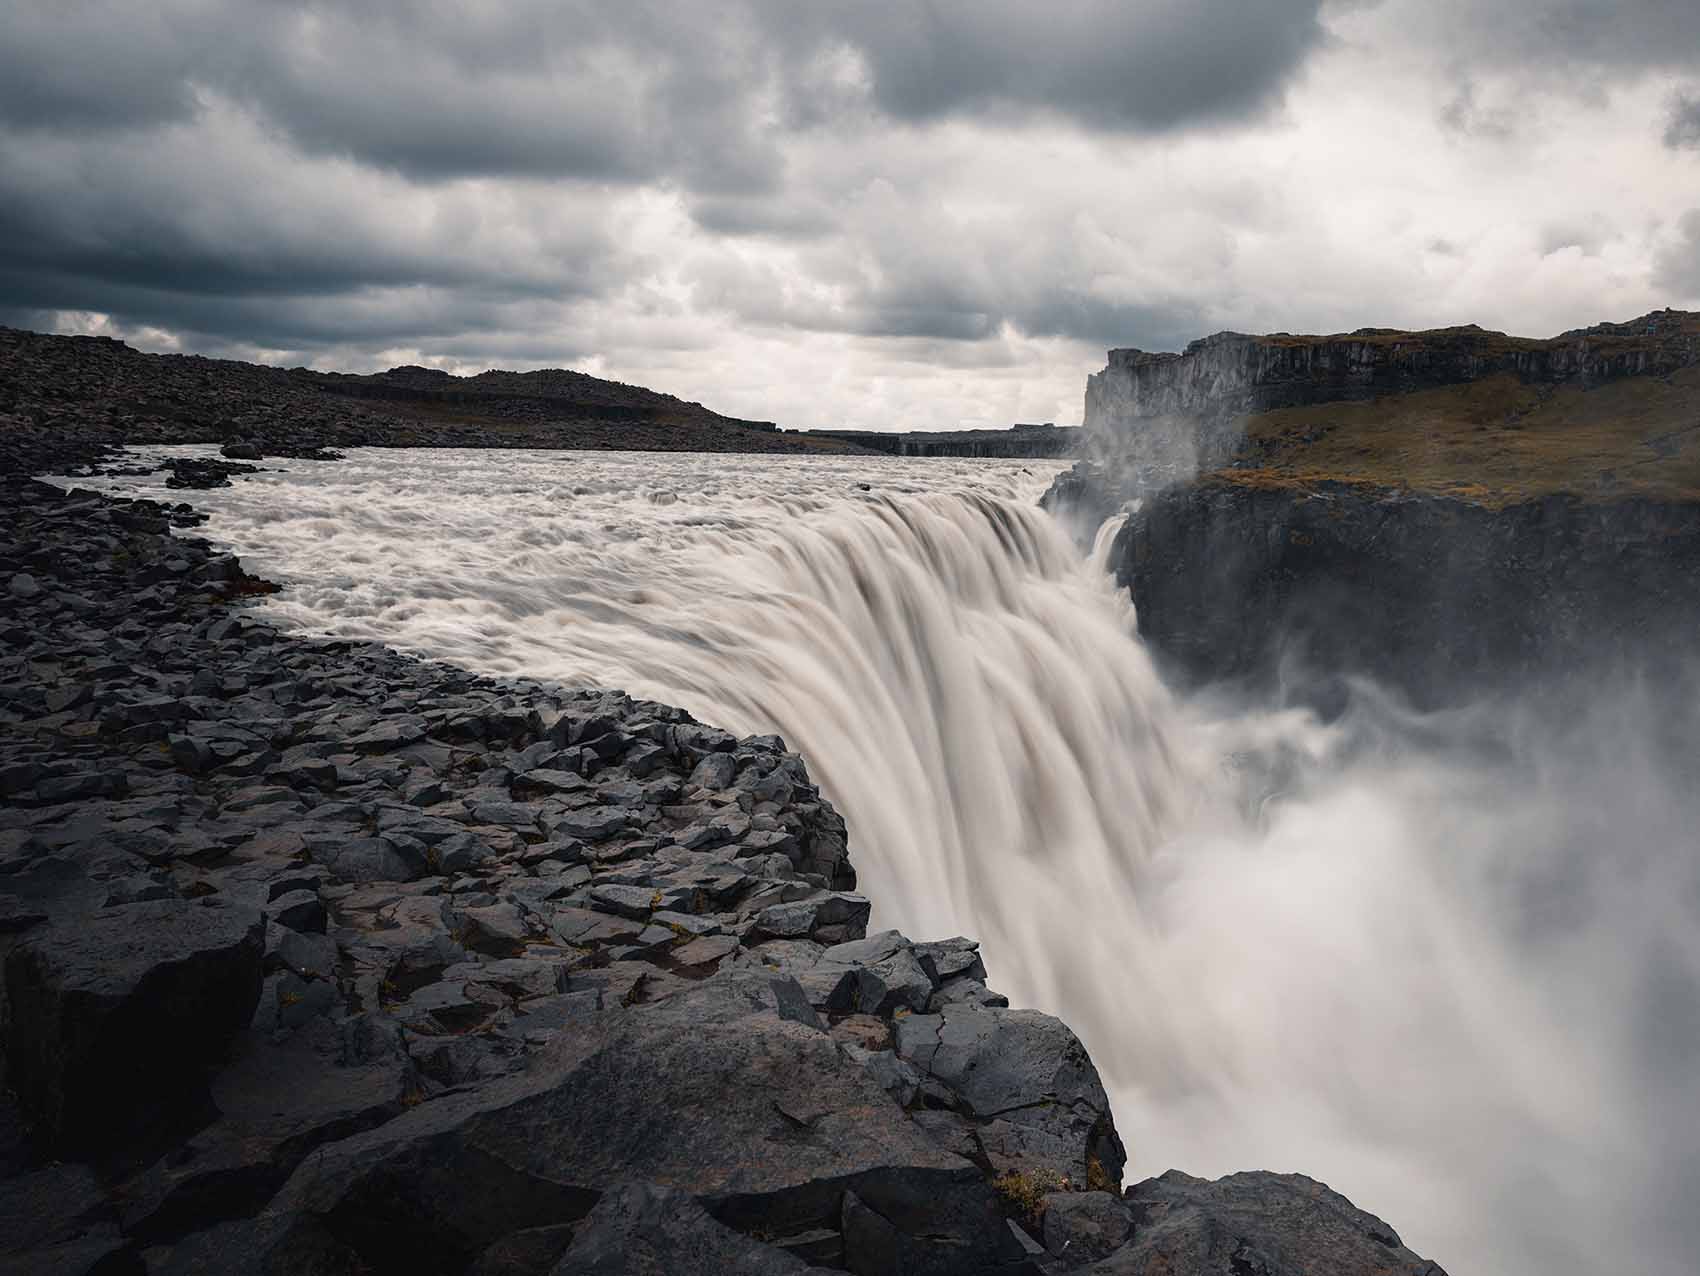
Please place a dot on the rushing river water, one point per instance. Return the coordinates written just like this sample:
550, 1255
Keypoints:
1445, 964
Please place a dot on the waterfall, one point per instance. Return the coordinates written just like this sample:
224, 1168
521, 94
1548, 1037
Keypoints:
1446, 963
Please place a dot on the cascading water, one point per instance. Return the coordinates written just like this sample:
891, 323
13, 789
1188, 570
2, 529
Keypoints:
1414, 957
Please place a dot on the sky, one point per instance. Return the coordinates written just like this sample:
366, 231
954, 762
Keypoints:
882, 214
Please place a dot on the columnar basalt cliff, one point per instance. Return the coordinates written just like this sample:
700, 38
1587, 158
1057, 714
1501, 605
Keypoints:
1441, 510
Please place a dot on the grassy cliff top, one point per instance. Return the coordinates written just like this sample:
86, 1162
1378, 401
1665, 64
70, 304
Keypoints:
1495, 441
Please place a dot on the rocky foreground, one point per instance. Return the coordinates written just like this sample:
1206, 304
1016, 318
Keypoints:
317, 958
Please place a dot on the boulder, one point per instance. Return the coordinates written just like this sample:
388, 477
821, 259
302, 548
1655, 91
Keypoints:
1028, 1081
110, 1021
1257, 1222
728, 1089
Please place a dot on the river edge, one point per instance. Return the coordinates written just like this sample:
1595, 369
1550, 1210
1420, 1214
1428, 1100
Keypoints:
957, 1135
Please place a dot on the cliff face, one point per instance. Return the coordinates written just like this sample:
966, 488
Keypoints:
1441, 510
1231, 373
1437, 596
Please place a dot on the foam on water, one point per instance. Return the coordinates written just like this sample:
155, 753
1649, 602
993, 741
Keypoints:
1447, 964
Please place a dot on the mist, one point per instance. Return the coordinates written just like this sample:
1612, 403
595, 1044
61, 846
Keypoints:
1445, 961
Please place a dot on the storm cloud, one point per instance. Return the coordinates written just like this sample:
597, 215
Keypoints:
795, 211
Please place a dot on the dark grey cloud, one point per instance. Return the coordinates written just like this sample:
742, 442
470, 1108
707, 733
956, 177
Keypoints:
212, 228
1682, 126
200, 164
640, 90
1148, 66
75, 67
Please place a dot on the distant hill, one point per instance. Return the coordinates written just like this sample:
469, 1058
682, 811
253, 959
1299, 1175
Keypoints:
110, 392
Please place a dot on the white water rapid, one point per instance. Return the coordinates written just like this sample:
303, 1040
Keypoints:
1447, 964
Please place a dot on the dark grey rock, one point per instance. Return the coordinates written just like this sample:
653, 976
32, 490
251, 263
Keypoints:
639, 1229
52, 1207
1082, 1227
712, 1087
373, 859
533, 1251
1029, 1073
132, 1000
276, 1103
592, 824
1255, 1223
301, 910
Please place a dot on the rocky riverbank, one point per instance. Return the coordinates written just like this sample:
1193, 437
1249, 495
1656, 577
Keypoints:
315, 957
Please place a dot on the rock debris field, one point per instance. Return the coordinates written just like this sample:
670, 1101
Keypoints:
319, 958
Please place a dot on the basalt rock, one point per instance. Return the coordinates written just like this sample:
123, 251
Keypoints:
1255, 1224
117, 1016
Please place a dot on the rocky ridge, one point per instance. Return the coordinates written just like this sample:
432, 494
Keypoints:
100, 392
1221, 379
315, 957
